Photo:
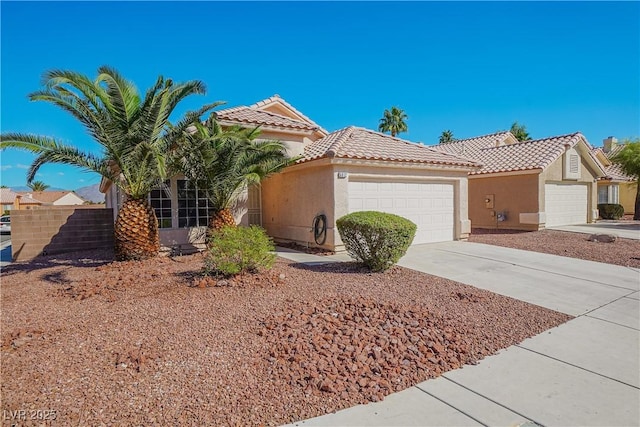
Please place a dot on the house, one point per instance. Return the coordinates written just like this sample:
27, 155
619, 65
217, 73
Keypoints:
349, 170
11, 200
55, 198
616, 186
532, 184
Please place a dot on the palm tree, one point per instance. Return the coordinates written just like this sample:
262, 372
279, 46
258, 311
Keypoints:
520, 132
629, 159
225, 162
134, 134
446, 136
393, 121
38, 186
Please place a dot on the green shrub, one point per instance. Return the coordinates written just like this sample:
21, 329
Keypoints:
237, 250
376, 239
610, 211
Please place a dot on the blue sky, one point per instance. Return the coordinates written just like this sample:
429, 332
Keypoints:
471, 67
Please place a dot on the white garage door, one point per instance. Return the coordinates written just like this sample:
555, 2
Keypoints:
565, 204
428, 205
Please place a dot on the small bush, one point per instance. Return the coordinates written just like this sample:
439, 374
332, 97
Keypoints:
238, 250
376, 239
610, 211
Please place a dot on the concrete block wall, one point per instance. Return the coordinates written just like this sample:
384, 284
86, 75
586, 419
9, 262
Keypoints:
55, 230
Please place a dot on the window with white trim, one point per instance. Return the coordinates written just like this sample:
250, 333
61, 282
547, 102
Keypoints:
193, 205
609, 194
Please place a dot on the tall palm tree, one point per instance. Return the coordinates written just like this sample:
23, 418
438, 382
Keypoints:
134, 134
446, 136
393, 121
38, 186
224, 162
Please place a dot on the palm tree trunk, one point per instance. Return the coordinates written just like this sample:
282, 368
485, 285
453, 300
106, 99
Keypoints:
136, 231
636, 211
220, 219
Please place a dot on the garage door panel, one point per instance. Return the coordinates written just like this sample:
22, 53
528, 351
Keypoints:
429, 205
566, 204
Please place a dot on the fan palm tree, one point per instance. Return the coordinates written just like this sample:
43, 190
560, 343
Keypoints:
133, 132
38, 186
224, 162
393, 121
446, 136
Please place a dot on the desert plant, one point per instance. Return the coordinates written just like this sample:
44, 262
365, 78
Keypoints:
134, 134
237, 250
376, 239
38, 186
224, 162
393, 121
610, 210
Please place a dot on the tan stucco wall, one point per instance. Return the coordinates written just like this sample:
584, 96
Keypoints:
627, 195
513, 195
553, 174
291, 199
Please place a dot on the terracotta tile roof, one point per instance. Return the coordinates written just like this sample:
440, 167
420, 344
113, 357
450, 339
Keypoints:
614, 170
277, 99
46, 196
359, 143
497, 156
255, 115
7, 197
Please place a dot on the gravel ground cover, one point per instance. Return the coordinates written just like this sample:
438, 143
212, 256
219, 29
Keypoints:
150, 343
624, 252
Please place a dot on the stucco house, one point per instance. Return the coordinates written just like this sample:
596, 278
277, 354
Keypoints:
616, 186
55, 198
349, 170
530, 185
11, 200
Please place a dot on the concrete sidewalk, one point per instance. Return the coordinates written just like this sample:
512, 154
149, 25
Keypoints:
585, 372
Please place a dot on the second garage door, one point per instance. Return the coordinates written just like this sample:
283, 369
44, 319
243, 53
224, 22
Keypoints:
429, 205
565, 204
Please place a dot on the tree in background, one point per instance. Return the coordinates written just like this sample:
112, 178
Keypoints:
224, 162
446, 136
38, 186
393, 121
134, 134
629, 159
520, 131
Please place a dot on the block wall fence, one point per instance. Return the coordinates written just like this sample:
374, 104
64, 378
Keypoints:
55, 230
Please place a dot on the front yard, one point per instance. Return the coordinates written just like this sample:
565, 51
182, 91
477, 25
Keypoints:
149, 342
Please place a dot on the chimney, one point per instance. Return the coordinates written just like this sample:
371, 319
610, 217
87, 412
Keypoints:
609, 144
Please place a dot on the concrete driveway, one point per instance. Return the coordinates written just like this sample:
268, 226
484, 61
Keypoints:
624, 229
585, 372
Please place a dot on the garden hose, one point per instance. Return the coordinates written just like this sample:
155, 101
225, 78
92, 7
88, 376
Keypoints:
320, 229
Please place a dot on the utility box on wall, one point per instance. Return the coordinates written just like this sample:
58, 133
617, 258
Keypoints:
488, 201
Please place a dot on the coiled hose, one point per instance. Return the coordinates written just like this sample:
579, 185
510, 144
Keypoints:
320, 229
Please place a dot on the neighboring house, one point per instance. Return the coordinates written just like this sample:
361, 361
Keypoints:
532, 184
348, 170
616, 186
55, 198
11, 200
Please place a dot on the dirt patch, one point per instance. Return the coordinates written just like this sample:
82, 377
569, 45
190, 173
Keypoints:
137, 343
625, 252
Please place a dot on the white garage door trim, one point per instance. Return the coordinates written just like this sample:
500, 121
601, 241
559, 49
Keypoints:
430, 205
565, 204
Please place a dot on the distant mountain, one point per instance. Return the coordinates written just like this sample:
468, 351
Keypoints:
91, 193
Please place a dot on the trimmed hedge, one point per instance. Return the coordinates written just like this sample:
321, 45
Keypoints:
237, 250
376, 239
610, 211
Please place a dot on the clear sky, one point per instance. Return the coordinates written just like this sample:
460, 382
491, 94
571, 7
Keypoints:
471, 67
